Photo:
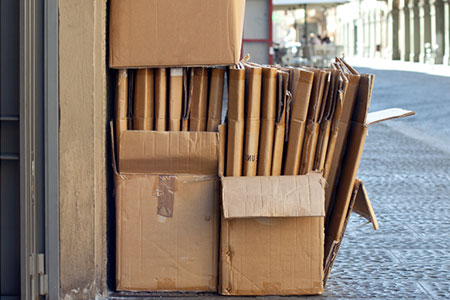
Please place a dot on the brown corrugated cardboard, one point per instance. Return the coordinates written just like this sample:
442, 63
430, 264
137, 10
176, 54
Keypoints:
167, 232
330, 256
121, 102
167, 225
235, 130
268, 112
253, 79
363, 207
199, 99
341, 138
301, 92
315, 112
322, 146
143, 100
160, 99
168, 152
278, 255
175, 98
334, 130
350, 163
331, 99
145, 33
187, 92
222, 148
283, 101
273, 196
215, 99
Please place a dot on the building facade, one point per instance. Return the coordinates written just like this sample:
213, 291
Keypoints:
408, 30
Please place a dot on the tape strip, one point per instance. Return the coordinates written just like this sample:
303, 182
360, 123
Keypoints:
165, 195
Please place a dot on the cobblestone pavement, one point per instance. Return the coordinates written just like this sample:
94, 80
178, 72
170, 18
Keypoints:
405, 168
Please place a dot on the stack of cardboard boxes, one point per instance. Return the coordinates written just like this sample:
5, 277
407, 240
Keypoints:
253, 201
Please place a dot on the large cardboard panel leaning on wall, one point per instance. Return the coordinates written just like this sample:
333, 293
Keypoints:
149, 33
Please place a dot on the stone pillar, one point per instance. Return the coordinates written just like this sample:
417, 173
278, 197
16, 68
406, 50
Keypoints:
394, 31
425, 29
414, 30
447, 32
437, 30
404, 30
373, 39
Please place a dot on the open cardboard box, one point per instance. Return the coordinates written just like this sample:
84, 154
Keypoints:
272, 227
167, 211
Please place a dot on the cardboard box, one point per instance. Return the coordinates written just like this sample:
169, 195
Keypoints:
167, 211
272, 235
149, 33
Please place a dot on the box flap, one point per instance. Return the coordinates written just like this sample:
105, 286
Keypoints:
388, 114
363, 207
169, 152
273, 196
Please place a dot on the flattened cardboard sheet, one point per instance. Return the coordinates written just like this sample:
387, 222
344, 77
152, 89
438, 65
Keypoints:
268, 112
388, 114
160, 99
121, 102
215, 99
199, 100
283, 101
302, 83
143, 100
235, 130
175, 98
253, 81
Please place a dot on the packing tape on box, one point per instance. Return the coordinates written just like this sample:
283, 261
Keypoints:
165, 194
